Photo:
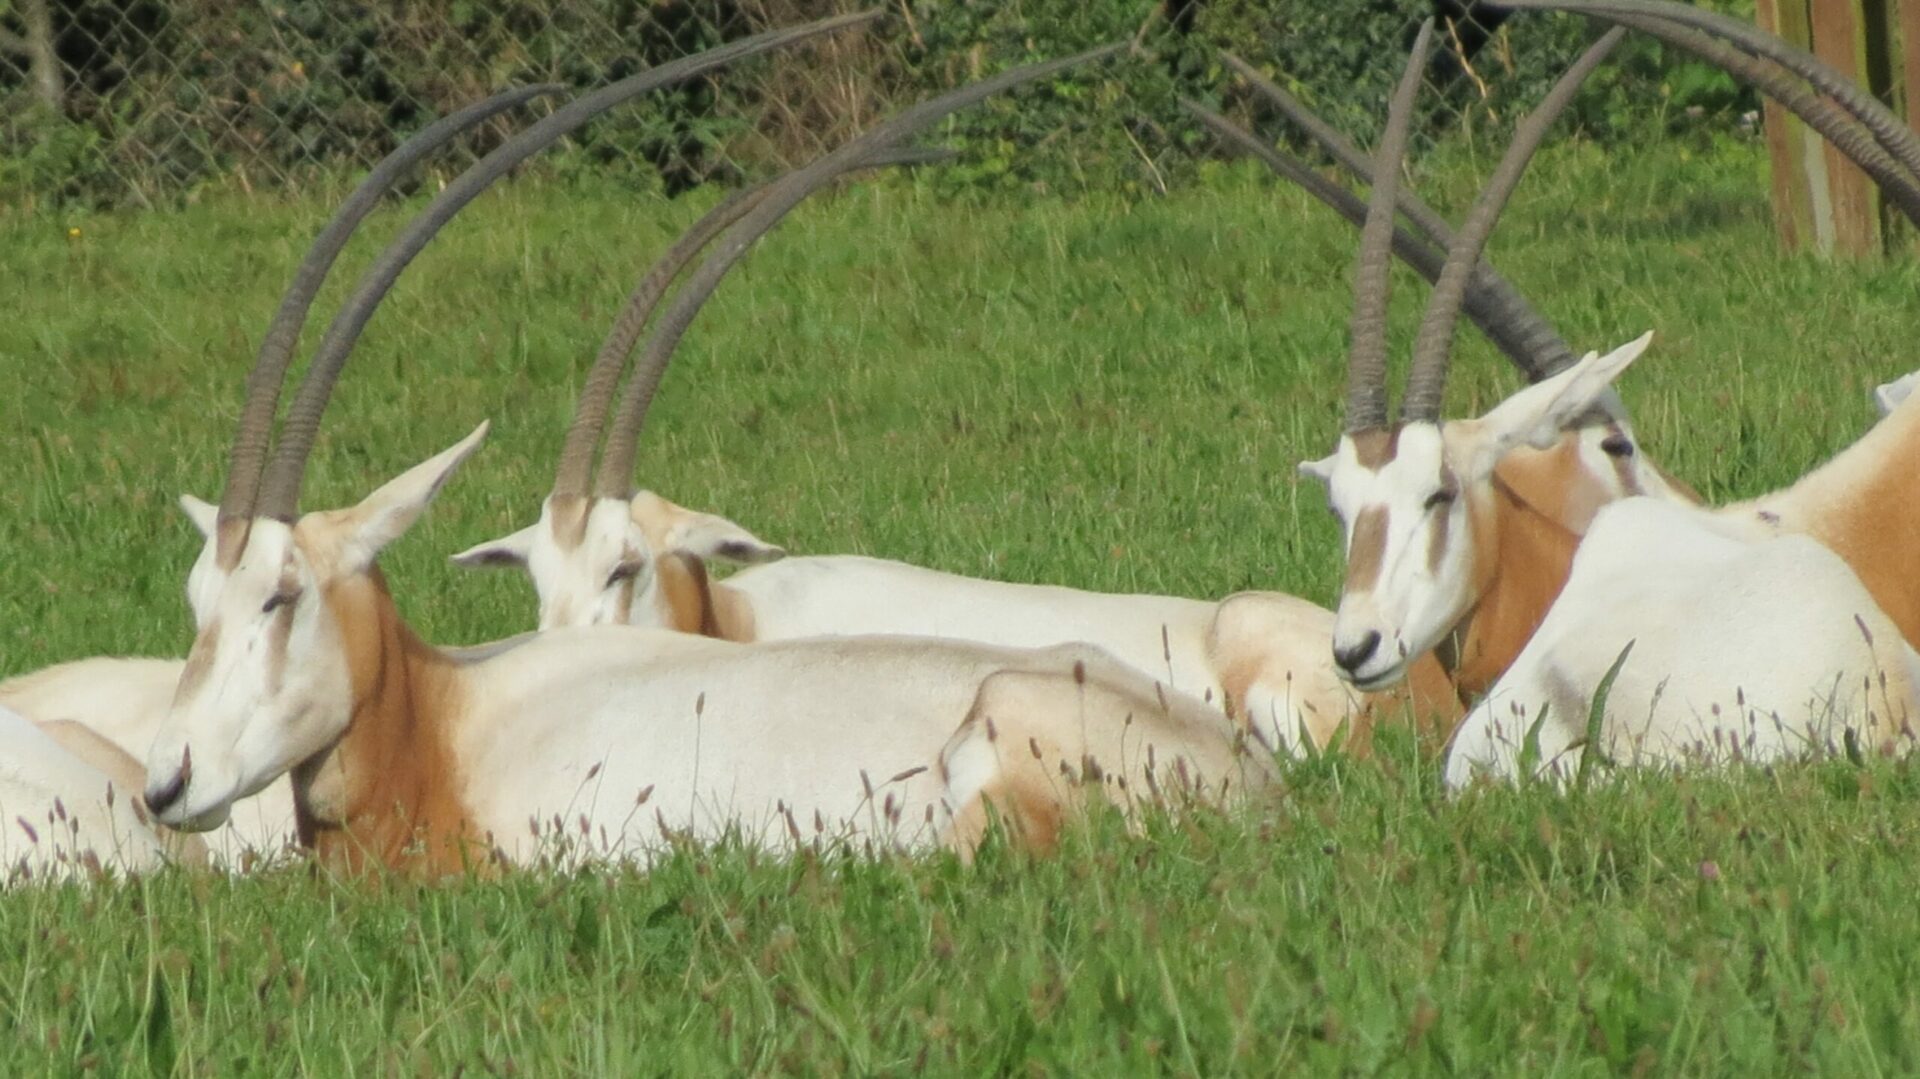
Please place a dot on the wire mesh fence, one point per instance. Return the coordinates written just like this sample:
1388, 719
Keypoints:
140, 101
160, 96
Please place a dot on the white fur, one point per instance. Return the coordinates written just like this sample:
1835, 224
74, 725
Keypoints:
580, 726
1413, 602
124, 700
75, 811
1175, 640
1749, 649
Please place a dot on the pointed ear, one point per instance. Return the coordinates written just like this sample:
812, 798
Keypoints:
670, 528
1537, 415
1321, 470
1888, 397
204, 515
507, 552
386, 514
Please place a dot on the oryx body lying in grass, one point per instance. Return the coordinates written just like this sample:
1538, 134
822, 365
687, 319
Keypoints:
1262, 655
1740, 650
1412, 497
611, 737
70, 803
402, 754
1807, 588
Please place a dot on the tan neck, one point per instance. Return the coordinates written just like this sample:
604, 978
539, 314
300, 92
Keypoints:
1864, 505
1522, 562
692, 603
1426, 698
387, 794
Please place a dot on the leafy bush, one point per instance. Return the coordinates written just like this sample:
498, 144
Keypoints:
168, 94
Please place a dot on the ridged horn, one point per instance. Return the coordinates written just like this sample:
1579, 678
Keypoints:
1542, 352
1482, 307
1887, 129
616, 465
1367, 349
1829, 120
249, 454
1427, 381
596, 395
280, 493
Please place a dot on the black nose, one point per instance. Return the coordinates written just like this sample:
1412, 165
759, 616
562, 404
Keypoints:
1351, 659
158, 800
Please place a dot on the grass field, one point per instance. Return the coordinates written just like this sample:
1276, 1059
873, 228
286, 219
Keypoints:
1095, 392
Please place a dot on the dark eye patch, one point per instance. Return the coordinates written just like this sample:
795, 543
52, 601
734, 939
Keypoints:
1443, 497
279, 600
1617, 445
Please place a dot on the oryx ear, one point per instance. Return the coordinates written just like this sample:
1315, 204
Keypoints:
1539, 414
1888, 397
1321, 469
204, 515
508, 552
670, 528
386, 514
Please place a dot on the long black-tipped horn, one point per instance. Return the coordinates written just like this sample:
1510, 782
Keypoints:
280, 493
1893, 136
1367, 350
269, 372
590, 413
1485, 310
1427, 382
1829, 120
616, 466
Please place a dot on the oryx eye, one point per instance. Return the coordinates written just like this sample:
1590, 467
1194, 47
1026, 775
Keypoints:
625, 571
1617, 445
279, 600
1443, 497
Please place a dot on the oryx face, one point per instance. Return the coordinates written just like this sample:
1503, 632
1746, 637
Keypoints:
1415, 502
284, 634
595, 561
1399, 499
265, 685
588, 561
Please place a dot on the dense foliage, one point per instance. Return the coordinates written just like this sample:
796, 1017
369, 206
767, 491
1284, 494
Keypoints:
167, 96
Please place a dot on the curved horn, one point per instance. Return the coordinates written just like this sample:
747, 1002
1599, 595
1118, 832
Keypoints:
623, 442
1542, 352
280, 493
1367, 351
590, 413
264, 382
1488, 312
1428, 380
596, 393
1833, 123
1888, 130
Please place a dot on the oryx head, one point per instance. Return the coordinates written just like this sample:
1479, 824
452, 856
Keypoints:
1413, 494
597, 561
286, 625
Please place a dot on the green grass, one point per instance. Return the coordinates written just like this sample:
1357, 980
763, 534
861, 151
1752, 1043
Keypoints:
1103, 393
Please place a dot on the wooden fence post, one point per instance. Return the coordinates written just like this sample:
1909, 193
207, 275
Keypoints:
1821, 202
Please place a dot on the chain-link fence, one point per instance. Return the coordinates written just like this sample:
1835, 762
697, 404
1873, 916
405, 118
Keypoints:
139, 101
160, 96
